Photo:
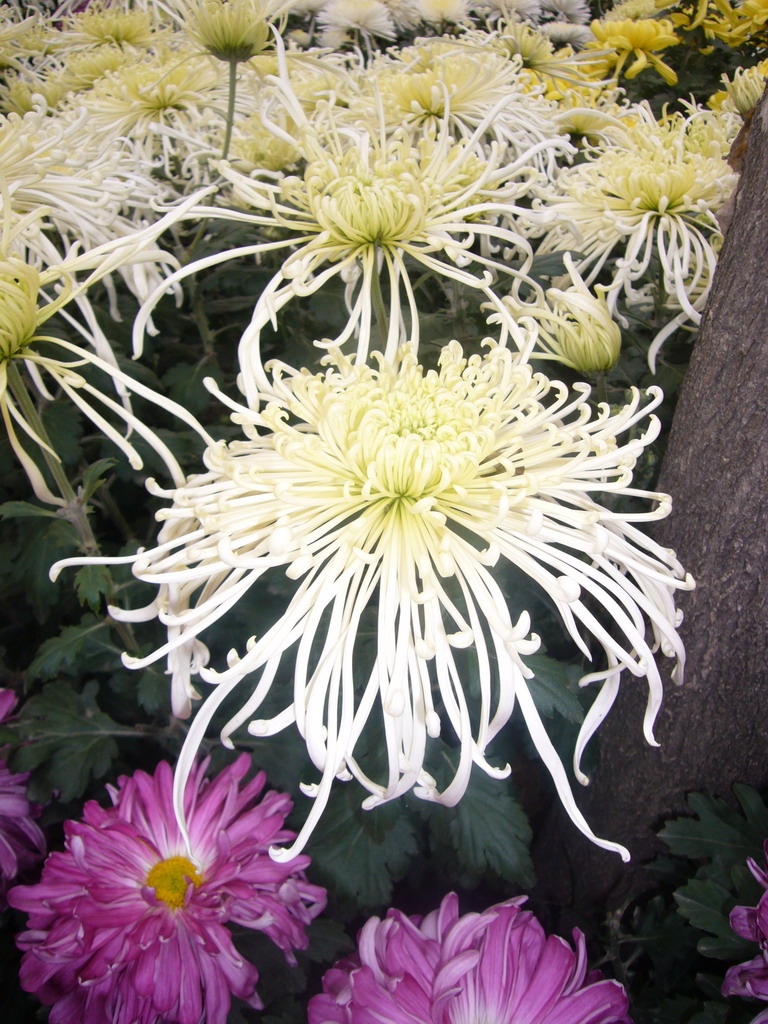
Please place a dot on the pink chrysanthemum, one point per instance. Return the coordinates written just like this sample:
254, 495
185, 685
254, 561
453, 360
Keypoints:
446, 969
22, 844
751, 978
124, 927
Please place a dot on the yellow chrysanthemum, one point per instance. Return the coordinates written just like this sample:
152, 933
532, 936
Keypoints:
640, 39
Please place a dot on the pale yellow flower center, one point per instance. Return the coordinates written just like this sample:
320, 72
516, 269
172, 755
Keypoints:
171, 879
384, 203
403, 437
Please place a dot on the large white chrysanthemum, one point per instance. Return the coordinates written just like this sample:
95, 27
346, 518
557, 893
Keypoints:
648, 195
389, 493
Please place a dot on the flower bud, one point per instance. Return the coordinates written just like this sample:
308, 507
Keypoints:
19, 286
587, 336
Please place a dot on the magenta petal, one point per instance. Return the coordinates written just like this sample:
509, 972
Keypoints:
104, 945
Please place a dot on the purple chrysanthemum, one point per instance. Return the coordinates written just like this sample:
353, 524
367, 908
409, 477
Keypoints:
491, 967
22, 844
125, 927
751, 978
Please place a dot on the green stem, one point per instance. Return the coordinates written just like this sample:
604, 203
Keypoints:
73, 509
230, 107
31, 415
602, 387
382, 319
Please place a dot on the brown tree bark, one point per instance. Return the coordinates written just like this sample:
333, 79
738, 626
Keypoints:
713, 730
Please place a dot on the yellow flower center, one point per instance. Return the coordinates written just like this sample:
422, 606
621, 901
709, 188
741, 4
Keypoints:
171, 879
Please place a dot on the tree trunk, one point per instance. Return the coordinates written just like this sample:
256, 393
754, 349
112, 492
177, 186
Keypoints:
713, 730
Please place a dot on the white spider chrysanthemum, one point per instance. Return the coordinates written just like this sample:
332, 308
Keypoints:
368, 17
650, 191
29, 297
104, 22
367, 203
514, 10
428, 84
169, 90
391, 492
45, 162
565, 33
230, 30
575, 327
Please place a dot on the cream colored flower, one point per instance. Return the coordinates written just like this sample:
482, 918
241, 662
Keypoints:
29, 297
576, 327
369, 18
231, 30
650, 191
429, 85
394, 495
151, 102
368, 206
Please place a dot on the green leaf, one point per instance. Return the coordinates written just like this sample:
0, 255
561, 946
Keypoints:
706, 905
93, 477
713, 1013
64, 425
489, 831
718, 832
65, 650
328, 941
24, 509
40, 543
551, 689
359, 853
91, 582
68, 738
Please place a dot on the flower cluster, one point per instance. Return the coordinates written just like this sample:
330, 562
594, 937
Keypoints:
129, 923
495, 966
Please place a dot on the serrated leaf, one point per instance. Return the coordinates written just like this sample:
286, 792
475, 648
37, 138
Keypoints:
41, 543
154, 691
69, 737
350, 860
25, 509
64, 651
718, 832
91, 582
490, 831
706, 905
93, 477
550, 689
